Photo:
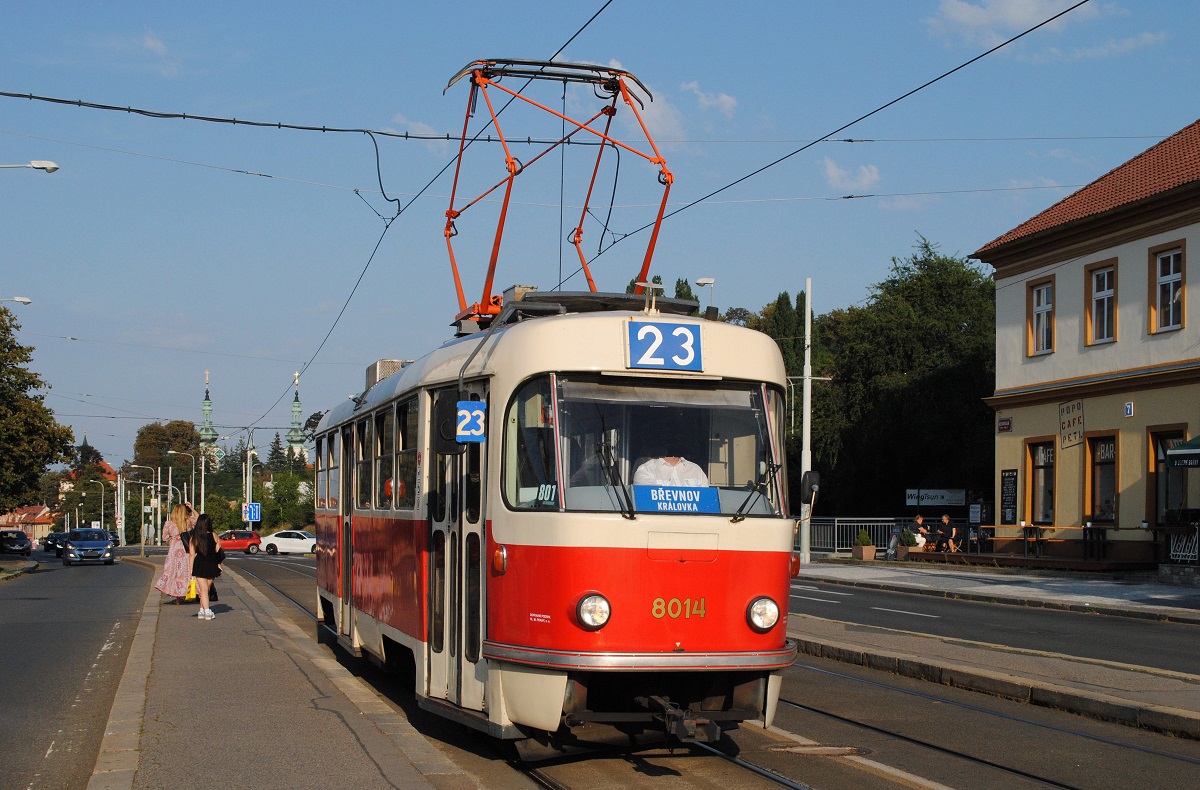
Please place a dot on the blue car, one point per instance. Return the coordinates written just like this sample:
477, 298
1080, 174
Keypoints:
88, 545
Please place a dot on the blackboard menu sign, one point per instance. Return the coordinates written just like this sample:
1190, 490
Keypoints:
1008, 496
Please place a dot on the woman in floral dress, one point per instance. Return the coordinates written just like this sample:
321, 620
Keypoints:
177, 570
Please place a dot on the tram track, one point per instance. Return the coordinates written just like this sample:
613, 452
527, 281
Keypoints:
944, 748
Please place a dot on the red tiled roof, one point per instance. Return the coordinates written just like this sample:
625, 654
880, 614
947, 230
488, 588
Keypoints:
1171, 163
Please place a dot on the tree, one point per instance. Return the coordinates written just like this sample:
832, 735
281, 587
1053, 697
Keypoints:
86, 456
31, 440
683, 290
910, 371
276, 459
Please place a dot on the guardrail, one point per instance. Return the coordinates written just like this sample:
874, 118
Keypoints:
839, 534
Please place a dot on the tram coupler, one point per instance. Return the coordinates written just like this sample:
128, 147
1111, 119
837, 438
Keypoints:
683, 725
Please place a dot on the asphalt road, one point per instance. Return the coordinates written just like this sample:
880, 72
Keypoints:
1147, 643
66, 635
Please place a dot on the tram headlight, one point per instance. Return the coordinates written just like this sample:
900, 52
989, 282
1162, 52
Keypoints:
762, 614
593, 611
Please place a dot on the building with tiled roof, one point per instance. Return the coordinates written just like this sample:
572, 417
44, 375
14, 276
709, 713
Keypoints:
1098, 359
36, 521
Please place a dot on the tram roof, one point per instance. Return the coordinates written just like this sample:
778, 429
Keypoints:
443, 365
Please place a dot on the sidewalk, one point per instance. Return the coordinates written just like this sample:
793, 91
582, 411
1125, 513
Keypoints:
251, 700
1139, 696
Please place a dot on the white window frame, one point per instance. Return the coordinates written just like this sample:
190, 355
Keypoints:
1104, 304
1041, 317
1169, 310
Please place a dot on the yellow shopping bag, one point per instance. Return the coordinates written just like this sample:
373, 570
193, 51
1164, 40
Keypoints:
191, 593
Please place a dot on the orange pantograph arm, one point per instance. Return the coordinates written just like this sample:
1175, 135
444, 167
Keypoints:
480, 82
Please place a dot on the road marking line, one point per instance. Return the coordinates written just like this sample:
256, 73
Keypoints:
901, 611
821, 600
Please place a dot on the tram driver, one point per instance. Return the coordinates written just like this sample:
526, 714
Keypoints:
669, 470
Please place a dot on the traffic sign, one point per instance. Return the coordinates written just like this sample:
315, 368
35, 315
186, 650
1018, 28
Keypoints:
254, 511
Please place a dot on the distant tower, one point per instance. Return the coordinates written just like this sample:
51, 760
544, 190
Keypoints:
208, 434
295, 434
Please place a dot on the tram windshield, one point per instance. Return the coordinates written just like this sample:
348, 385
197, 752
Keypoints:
585, 444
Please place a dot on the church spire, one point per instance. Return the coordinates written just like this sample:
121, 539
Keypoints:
208, 434
295, 434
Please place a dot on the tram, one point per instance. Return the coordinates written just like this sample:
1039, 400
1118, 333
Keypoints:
505, 519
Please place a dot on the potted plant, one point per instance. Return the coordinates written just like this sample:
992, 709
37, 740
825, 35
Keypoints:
907, 541
864, 547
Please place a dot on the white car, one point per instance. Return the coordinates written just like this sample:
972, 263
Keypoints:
290, 541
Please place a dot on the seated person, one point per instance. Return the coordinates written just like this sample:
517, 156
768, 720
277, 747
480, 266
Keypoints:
669, 470
947, 536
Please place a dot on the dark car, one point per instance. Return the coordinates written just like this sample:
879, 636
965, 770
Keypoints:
88, 545
240, 540
14, 541
54, 542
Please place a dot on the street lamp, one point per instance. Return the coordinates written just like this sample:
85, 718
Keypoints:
84, 493
157, 511
703, 281
18, 299
38, 164
189, 455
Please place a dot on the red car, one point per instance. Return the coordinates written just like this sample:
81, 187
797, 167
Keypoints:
240, 540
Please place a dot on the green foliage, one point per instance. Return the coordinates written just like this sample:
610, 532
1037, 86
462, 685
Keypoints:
154, 439
683, 290
863, 538
276, 460
32, 440
910, 370
907, 538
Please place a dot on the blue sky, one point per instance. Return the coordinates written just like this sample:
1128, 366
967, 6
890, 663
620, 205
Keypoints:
165, 248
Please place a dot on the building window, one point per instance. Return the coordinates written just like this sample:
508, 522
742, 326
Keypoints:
1170, 483
1041, 482
1040, 317
1102, 452
1167, 279
1101, 303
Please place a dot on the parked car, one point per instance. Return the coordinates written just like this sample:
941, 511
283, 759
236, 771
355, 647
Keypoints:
113, 537
290, 541
54, 541
240, 540
88, 545
14, 541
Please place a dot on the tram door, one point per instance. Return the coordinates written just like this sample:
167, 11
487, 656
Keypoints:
455, 555
345, 544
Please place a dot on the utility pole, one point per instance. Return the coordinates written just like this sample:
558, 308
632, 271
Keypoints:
806, 427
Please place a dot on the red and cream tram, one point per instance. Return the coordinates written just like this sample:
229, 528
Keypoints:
573, 513
525, 577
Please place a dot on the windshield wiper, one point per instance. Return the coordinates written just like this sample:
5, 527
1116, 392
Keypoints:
756, 489
608, 461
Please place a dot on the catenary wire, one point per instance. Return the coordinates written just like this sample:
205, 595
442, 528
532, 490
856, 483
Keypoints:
843, 127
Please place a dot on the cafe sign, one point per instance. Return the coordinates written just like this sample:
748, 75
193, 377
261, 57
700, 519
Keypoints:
1070, 423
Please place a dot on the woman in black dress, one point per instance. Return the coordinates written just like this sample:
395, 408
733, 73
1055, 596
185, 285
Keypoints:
207, 556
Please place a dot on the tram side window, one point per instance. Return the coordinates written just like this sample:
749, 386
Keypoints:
363, 456
331, 446
530, 475
322, 473
384, 437
406, 455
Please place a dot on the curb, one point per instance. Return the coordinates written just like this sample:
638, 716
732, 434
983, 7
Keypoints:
1170, 616
1159, 718
26, 566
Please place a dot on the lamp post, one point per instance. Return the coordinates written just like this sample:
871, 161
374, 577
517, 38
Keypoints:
189, 455
151, 471
37, 164
709, 281
84, 493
